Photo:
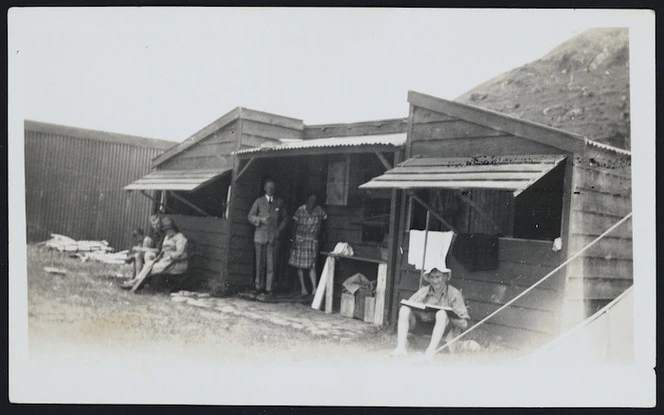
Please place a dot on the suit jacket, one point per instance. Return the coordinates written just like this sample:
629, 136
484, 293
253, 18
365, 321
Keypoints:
275, 219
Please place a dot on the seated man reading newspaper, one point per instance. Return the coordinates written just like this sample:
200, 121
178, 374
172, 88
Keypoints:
437, 308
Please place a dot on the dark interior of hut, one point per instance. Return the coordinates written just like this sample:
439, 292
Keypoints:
355, 216
535, 213
210, 199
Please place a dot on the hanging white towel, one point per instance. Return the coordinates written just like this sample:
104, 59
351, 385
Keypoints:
438, 244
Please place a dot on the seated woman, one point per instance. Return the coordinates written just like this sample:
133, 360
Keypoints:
171, 261
141, 245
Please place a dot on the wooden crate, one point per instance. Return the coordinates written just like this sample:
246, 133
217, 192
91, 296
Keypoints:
369, 309
347, 305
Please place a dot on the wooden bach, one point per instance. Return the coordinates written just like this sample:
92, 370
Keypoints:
220, 263
302, 167
596, 187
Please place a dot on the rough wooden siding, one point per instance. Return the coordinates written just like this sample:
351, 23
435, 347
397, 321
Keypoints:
601, 197
208, 237
440, 135
213, 152
529, 322
390, 126
241, 246
497, 205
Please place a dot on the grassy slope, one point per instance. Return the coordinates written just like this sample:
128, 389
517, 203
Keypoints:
581, 86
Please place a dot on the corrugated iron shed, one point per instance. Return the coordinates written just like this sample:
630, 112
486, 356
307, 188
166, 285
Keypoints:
74, 179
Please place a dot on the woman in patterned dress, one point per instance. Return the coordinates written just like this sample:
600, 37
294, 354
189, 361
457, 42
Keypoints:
308, 220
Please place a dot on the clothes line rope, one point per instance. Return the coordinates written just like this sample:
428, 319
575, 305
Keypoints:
558, 268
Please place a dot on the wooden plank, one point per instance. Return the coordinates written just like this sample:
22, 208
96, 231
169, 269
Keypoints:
380, 294
384, 161
509, 273
423, 115
206, 131
478, 146
200, 162
329, 287
594, 179
597, 288
516, 317
203, 148
601, 203
596, 223
272, 119
269, 131
527, 252
257, 141
388, 126
606, 247
450, 166
605, 267
586, 169
546, 135
452, 129
460, 176
199, 224
537, 299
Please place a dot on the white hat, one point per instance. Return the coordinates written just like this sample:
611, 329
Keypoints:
439, 267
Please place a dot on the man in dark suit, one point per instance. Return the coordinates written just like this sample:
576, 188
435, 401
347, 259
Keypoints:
268, 216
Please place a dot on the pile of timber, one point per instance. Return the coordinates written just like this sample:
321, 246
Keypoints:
86, 250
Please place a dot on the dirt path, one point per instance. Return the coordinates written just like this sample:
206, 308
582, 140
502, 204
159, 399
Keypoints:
85, 309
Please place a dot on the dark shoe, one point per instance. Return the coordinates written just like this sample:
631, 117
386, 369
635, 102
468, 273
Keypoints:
268, 293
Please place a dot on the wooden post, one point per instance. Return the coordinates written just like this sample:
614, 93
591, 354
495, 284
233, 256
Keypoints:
162, 203
329, 287
424, 251
381, 283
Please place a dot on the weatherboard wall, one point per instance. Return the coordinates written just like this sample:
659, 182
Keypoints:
534, 319
601, 198
212, 152
207, 238
74, 179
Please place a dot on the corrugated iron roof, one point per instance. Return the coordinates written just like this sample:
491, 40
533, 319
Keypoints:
185, 180
67, 131
513, 173
390, 140
608, 147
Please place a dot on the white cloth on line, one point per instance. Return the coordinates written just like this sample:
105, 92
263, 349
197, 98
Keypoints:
438, 245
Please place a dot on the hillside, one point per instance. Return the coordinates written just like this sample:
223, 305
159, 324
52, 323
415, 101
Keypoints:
581, 86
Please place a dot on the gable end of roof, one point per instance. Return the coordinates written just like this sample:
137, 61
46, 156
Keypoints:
540, 133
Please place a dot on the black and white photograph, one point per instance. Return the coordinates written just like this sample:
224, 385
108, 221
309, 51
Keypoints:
367, 207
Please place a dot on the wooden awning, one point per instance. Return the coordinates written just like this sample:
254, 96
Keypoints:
184, 180
511, 173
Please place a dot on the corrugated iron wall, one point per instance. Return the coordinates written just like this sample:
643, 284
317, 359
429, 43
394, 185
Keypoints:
73, 187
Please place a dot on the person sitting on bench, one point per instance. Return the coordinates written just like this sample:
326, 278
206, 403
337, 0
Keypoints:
171, 261
436, 322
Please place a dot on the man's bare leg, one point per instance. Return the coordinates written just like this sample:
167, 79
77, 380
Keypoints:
437, 334
406, 319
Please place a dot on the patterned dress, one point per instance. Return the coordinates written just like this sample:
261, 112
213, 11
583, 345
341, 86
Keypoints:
304, 251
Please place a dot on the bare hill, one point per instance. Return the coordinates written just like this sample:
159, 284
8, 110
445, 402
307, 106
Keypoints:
581, 86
